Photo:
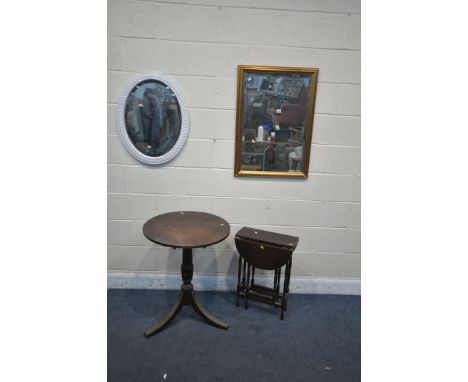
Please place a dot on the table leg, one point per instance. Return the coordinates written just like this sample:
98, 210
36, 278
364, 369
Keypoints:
186, 297
287, 274
205, 315
238, 281
166, 320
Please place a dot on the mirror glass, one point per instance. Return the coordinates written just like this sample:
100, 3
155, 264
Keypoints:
275, 114
152, 118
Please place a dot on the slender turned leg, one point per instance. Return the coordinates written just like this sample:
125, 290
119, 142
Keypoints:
243, 276
274, 287
284, 302
238, 280
288, 275
277, 286
247, 288
186, 297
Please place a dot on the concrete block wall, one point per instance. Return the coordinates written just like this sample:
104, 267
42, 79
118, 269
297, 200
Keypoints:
199, 44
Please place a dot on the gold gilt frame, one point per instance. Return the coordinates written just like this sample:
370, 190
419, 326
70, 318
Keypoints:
310, 109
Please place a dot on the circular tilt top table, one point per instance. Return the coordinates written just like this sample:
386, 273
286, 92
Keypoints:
186, 230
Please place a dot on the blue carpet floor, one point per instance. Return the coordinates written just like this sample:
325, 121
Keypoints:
319, 339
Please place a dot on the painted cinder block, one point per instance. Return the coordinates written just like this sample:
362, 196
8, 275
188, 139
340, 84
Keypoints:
353, 238
223, 154
147, 55
116, 178
196, 153
304, 29
213, 124
350, 266
218, 182
117, 153
187, 23
330, 240
345, 160
199, 92
122, 206
337, 265
209, 261
156, 180
349, 99
225, 93
182, 58
338, 99
131, 18
336, 215
352, 35
328, 264
356, 189
339, 6
334, 65
250, 26
294, 213
164, 259
116, 82
143, 258
241, 211
111, 126
319, 30
212, 182
199, 46
319, 159
126, 232
114, 53
217, 3
170, 203
326, 187
303, 264
268, 188
337, 130
355, 216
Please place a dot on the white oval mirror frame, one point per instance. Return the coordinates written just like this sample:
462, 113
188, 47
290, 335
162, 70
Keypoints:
121, 123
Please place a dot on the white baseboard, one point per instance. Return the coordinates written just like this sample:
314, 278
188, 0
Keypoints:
224, 283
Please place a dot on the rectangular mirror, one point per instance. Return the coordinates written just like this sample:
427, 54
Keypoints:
275, 113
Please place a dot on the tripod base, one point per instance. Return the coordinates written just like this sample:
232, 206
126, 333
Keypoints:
186, 297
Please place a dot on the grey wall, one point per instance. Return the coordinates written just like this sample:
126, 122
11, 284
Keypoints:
199, 44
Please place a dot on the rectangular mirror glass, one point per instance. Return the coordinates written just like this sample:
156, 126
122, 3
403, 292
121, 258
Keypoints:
275, 113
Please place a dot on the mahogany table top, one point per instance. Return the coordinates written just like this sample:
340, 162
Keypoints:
186, 229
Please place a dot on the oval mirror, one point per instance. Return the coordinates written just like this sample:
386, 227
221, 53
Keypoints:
152, 119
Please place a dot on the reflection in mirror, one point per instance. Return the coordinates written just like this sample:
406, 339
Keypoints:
152, 118
275, 122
